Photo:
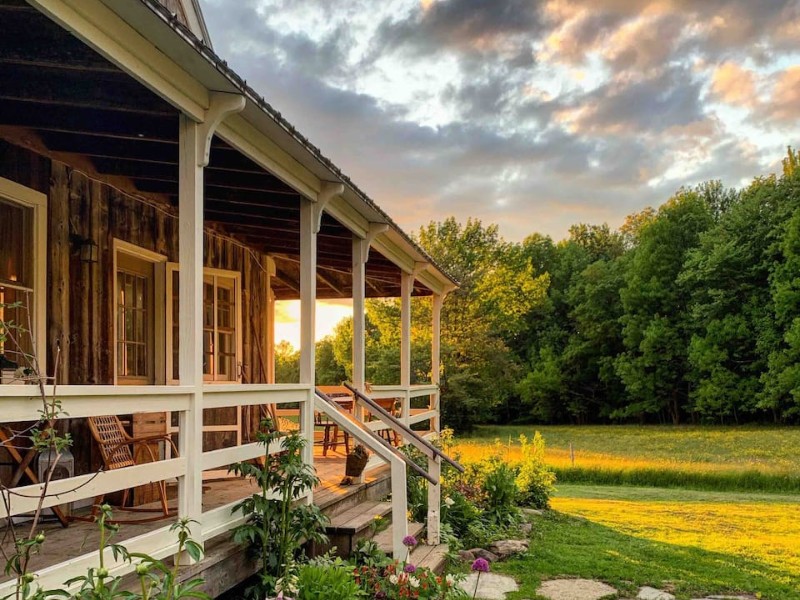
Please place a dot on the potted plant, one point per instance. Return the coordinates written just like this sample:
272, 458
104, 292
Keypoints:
356, 461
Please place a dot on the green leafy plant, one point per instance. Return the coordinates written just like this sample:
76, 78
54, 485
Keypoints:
157, 581
367, 552
276, 523
327, 581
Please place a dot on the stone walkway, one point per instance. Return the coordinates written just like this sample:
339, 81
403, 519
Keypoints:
490, 587
575, 589
493, 586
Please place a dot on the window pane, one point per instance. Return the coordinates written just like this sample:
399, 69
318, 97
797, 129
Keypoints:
16, 239
175, 325
226, 355
14, 311
208, 305
207, 353
133, 322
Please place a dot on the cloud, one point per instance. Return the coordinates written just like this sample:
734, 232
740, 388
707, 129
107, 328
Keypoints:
472, 25
533, 115
670, 98
734, 85
783, 105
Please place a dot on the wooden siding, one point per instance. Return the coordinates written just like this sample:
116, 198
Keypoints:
80, 299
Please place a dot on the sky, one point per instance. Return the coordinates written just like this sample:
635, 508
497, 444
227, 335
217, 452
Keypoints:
532, 115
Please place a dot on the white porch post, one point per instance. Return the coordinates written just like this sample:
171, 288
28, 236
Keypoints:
190, 252
436, 350
406, 286
308, 300
435, 464
194, 149
360, 249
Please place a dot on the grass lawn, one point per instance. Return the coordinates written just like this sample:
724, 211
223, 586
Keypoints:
713, 458
695, 510
693, 543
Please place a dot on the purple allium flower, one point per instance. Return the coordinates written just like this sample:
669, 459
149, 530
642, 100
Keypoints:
409, 541
481, 565
409, 568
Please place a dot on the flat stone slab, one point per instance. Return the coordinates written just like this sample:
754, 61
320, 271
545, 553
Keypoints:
491, 586
576, 589
651, 593
728, 597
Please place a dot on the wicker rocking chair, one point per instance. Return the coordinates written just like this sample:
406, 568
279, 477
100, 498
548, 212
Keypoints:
119, 450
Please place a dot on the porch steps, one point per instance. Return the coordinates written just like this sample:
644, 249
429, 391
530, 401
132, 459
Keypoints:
384, 538
432, 557
356, 523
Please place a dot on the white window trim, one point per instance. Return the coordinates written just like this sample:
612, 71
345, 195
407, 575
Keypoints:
20, 194
159, 337
236, 276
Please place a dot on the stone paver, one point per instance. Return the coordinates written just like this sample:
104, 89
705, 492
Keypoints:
576, 589
727, 597
651, 593
492, 586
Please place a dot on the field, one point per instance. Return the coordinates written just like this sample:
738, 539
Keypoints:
715, 511
712, 458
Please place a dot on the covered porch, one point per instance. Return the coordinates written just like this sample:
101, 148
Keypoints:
164, 209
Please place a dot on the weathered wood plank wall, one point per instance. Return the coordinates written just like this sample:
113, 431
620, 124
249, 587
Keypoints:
81, 296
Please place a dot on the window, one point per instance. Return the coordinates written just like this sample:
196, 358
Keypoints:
135, 316
139, 319
23, 235
221, 325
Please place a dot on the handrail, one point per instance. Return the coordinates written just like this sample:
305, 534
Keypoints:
421, 443
356, 424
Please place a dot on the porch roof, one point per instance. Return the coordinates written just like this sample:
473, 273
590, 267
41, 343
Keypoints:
62, 98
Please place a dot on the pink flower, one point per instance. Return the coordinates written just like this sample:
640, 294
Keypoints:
409, 568
409, 541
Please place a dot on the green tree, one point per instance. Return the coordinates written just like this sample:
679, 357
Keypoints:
287, 363
328, 370
499, 287
654, 364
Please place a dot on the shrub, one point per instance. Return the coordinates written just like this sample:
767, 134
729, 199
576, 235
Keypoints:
500, 490
535, 479
459, 513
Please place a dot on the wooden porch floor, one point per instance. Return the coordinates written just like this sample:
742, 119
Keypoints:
82, 537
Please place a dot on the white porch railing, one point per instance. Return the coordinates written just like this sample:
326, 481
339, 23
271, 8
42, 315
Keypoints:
383, 452
21, 403
409, 415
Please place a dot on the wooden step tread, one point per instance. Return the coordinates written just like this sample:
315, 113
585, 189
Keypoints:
384, 538
431, 557
359, 517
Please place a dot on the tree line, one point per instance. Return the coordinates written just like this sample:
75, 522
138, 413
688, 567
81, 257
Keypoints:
686, 313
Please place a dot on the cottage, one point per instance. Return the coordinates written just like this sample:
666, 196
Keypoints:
153, 208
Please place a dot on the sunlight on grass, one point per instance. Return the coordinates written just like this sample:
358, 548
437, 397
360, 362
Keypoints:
754, 459
716, 509
768, 533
